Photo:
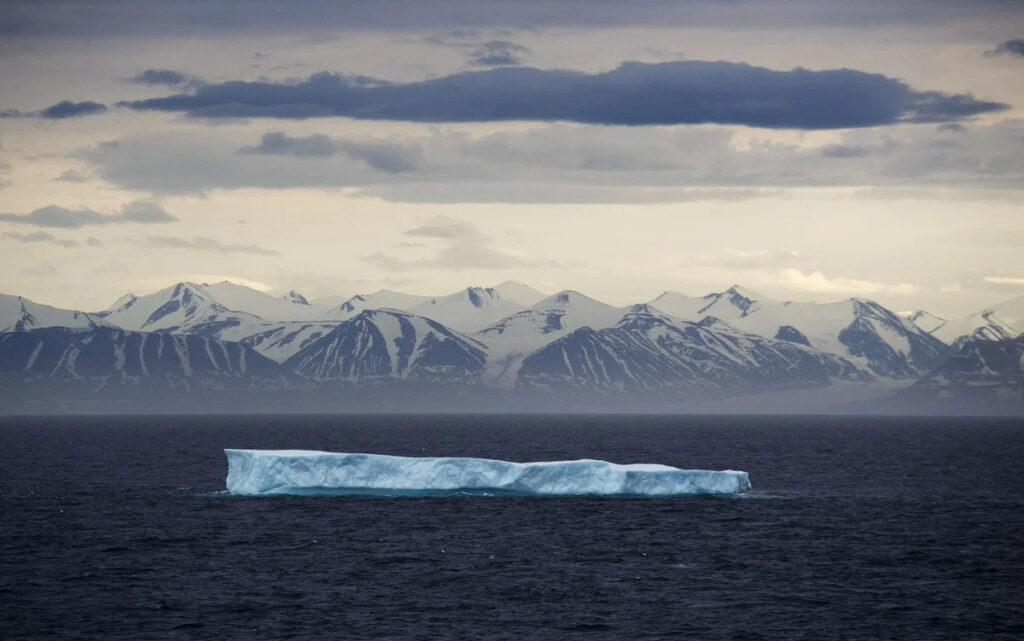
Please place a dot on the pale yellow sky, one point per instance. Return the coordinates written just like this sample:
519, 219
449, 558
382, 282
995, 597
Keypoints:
925, 219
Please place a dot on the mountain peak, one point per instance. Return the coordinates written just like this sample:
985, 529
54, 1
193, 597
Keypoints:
127, 300
295, 297
745, 292
516, 292
478, 295
565, 297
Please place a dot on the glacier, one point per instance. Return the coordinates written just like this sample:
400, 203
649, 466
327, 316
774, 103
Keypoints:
302, 472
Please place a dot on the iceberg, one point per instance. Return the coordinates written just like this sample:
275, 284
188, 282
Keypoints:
268, 472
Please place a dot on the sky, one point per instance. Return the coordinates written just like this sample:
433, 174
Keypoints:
806, 150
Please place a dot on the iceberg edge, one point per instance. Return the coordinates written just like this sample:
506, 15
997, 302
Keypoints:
304, 472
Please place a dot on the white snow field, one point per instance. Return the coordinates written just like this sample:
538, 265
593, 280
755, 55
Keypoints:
265, 472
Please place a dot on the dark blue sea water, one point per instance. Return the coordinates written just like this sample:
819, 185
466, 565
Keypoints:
859, 528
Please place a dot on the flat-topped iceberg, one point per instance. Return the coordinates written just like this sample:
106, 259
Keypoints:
260, 472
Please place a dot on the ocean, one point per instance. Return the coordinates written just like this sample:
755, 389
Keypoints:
856, 528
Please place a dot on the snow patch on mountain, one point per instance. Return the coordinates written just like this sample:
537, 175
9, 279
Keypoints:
382, 299
388, 344
651, 352
106, 356
467, 310
519, 293
295, 297
19, 314
512, 339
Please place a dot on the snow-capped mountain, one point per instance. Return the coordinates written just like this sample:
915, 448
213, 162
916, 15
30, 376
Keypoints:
182, 308
926, 320
279, 341
513, 338
383, 299
107, 357
19, 314
295, 297
467, 310
519, 293
999, 322
856, 328
734, 302
982, 375
650, 352
388, 344
186, 306
228, 336
985, 326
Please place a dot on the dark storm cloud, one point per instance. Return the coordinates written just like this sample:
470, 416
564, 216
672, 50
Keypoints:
63, 109
165, 78
668, 93
497, 53
1008, 48
387, 157
69, 109
139, 211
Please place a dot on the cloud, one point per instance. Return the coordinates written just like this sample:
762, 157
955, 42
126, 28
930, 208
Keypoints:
758, 259
448, 229
570, 163
1005, 280
817, 282
464, 246
1002, 283
39, 237
387, 157
72, 176
142, 18
61, 110
845, 151
497, 53
69, 109
41, 270
635, 93
1008, 48
46, 237
139, 211
201, 243
165, 78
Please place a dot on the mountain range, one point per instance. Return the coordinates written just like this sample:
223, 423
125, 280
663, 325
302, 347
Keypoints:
508, 347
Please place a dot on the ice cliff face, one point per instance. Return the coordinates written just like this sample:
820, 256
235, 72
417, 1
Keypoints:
260, 472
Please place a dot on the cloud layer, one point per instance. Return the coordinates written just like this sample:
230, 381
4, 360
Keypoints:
387, 157
566, 163
1008, 48
668, 93
462, 246
139, 211
202, 243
